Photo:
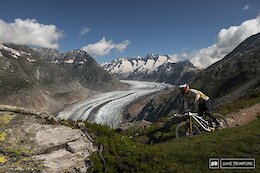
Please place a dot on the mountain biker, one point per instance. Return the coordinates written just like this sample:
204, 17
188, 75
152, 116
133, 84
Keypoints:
191, 96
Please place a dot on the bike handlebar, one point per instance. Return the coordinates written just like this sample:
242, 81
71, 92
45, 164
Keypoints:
188, 113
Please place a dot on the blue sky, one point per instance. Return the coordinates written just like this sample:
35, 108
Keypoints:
126, 27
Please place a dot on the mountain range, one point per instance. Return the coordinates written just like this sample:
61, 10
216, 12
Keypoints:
45, 79
153, 67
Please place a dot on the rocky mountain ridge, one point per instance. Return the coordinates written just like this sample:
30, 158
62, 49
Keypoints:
125, 66
154, 68
81, 66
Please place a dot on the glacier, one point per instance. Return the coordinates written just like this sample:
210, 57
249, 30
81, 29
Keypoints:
107, 108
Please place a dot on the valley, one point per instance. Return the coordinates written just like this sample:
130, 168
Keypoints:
107, 108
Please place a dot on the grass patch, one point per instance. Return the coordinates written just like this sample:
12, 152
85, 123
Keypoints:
239, 104
2, 159
18, 151
193, 153
5, 119
2, 136
122, 154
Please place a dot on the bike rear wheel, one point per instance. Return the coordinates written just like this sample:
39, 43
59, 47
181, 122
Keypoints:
182, 130
221, 119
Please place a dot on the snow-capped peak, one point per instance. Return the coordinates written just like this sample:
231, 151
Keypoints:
127, 65
153, 67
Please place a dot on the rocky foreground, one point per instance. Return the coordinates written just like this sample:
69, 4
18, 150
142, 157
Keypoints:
34, 142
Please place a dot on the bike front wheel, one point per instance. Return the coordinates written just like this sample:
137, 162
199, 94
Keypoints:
182, 130
222, 120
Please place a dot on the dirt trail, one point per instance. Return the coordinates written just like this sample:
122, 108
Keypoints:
243, 116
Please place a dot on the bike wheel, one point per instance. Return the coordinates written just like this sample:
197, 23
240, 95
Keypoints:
221, 119
182, 130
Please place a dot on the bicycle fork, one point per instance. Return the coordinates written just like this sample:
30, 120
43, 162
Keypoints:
190, 124
189, 131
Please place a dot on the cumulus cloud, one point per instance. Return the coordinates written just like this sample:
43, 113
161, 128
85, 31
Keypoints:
84, 30
227, 40
246, 7
30, 32
104, 47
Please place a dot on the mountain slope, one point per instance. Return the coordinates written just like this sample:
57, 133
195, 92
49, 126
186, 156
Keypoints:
155, 68
21, 68
81, 67
30, 80
47, 53
234, 77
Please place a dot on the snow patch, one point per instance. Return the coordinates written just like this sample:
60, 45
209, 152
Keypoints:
70, 61
14, 53
31, 60
37, 73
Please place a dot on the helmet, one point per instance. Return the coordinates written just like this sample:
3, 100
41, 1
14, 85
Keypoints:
184, 88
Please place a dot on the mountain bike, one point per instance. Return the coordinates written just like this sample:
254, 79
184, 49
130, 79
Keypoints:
194, 124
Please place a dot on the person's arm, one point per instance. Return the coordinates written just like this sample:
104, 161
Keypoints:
184, 105
197, 97
181, 103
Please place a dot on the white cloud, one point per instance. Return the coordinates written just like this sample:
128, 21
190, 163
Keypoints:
246, 7
84, 30
122, 46
104, 47
227, 40
30, 32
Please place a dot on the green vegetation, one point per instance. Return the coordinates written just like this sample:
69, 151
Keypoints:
239, 104
24, 164
2, 136
2, 159
123, 154
5, 119
18, 151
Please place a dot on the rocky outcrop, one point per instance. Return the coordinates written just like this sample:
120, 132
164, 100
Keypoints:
65, 149
30, 142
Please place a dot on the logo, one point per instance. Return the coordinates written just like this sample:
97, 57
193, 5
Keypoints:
214, 163
237, 163
232, 163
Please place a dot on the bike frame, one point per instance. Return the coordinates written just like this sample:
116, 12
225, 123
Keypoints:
203, 123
